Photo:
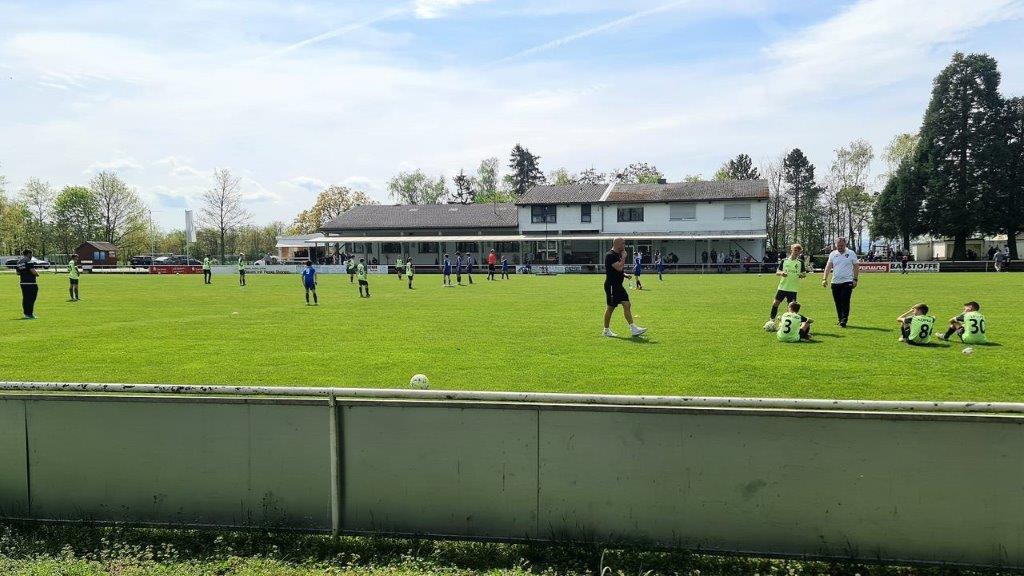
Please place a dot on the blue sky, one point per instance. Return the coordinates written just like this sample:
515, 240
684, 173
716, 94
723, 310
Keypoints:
297, 95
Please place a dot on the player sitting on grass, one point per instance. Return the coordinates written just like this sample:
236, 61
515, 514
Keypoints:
364, 284
790, 271
970, 325
793, 326
916, 326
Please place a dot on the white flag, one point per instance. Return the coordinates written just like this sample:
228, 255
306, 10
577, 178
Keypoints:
190, 227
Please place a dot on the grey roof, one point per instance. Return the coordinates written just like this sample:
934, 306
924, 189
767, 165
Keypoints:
100, 245
689, 191
570, 194
375, 217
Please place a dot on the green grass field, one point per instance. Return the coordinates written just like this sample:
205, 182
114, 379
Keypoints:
523, 334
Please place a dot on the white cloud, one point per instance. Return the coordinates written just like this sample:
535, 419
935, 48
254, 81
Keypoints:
438, 8
119, 164
307, 183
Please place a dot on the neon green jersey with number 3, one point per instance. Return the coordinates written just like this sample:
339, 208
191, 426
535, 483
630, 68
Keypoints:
974, 328
789, 327
921, 329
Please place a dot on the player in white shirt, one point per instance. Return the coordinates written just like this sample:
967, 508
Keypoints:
845, 270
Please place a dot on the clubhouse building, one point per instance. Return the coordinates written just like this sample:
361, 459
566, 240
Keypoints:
568, 225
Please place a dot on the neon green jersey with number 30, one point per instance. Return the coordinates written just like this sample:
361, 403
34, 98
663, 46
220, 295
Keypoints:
974, 328
921, 329
789, 327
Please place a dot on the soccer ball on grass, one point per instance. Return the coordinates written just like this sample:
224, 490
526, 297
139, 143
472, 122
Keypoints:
770, 326
419, 382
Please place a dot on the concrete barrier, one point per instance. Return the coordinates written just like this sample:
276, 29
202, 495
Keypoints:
868, 484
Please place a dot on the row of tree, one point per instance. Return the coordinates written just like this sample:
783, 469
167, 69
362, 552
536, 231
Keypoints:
53, 221
964, 174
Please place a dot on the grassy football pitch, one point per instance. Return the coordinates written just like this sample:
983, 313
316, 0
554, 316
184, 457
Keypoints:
523, 334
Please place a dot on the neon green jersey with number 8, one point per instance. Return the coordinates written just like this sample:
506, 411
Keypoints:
921, 329
974, 328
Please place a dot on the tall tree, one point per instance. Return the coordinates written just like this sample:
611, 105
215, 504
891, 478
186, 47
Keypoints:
591, 176
121, 211
639, 173
849, 172
897, 211
488, 180
38, 197
417, 188
779, 207
465, 189
561, 177
902, 147
1004, 202
798, 173
76, 217
332, 202
739, 168
526, 172
959, 148
222, 208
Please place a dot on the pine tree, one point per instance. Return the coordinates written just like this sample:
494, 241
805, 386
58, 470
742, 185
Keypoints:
526, 171
1004, 202
897, 210
960, 147
739, 168
799, 177
465, 189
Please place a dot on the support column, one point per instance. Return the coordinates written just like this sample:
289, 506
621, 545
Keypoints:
335, 443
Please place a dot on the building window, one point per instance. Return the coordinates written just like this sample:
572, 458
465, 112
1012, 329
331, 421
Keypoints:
506, 247
391, 248
584, 212
361, 248
681, 211
631, 214
466, 247
737, 211
427, 247
544, 214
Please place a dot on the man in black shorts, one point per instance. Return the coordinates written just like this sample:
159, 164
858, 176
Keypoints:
615, 294
27, 273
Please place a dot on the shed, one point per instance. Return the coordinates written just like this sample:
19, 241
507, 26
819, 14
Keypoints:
96, 253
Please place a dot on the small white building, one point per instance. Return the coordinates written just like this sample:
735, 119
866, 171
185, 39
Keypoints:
565, 225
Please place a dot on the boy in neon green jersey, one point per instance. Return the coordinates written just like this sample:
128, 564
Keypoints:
916, 326
410, 271
793, 326
790, 271
399, 267
364, 284
970, 325
241, 269
73, 276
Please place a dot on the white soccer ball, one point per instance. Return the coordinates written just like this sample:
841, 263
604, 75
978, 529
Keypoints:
968, 350
770, 326
419, 382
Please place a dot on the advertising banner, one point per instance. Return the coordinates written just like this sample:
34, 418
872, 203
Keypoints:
175, 269
874, 266
916, 267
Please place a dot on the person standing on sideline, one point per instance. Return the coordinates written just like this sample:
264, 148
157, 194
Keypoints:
999, 258
446, 272
615, 294
469, 267
660, 261
309, 282
364, 283
73, 278
207, 273
492, 260
241, 269
504, 267
27, 274
842, 264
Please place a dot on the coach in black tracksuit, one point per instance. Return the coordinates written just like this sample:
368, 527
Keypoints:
27, 274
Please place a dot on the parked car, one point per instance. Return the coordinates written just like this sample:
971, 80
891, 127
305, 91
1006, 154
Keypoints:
141, 261
12, 262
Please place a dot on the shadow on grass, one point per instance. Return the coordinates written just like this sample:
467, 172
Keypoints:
870, 328
826, 335
635, 340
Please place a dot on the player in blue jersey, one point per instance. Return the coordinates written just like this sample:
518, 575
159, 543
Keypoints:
469, 267
458, 268
446, 270
659, 260
504, 267
309, 282
638, 268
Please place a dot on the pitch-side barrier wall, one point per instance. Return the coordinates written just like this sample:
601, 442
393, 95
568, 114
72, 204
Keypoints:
892, 481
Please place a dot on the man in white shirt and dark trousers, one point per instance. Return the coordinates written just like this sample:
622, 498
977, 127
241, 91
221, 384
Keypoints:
842, 264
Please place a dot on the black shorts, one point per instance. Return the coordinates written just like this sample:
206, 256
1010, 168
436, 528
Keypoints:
785, 295
241, 272
74, 281
490, 267
364, 283
615, 294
